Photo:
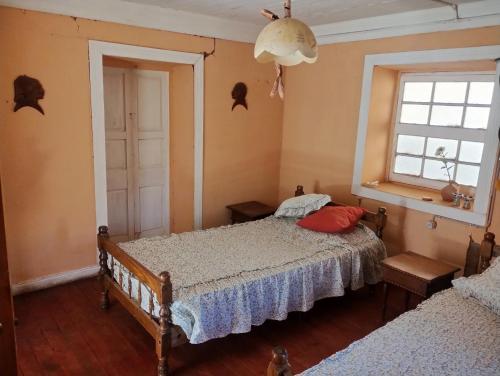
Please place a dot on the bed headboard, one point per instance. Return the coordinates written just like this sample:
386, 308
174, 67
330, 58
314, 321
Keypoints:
378, 219
479, 255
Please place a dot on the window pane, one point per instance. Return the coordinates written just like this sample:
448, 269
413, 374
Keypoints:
480, 92
467, 174
410, 144
450, 92
471, 151
434, 169
417, 92
407, 165
414, 113
476, 117
447, 116
450, 147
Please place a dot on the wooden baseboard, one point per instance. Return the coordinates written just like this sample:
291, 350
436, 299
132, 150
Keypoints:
54, 280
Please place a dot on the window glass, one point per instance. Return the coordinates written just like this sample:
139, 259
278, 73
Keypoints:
407, 165
450, 147
480, 92
410, 144
446, 112
434, 169
477, 117
467, 174
414, 113
450, 92
471, 152
447, 116
417, 92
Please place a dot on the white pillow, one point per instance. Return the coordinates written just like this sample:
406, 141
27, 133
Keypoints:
300, 206
484, 287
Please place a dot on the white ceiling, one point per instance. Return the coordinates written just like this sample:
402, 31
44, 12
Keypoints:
332, 21
313, 12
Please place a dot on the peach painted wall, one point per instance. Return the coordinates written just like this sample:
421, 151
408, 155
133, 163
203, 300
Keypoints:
319, 134
46, 161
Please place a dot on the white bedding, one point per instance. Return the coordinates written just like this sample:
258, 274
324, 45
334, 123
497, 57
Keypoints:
446, 335
229, 278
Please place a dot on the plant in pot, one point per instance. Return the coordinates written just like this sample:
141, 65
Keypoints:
451, 188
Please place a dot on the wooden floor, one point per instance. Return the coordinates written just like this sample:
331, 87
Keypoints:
62, 331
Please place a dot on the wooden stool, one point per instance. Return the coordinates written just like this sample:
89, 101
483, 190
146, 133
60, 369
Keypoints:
415, 274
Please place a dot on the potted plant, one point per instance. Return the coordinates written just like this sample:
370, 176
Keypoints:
447, 193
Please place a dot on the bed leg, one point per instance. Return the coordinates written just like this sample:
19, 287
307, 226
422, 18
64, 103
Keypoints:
103, 267
279, 365
163, 340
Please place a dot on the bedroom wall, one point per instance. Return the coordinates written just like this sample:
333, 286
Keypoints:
322, 107
46, 161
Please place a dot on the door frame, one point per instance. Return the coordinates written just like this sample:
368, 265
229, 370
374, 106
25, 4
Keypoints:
98, 49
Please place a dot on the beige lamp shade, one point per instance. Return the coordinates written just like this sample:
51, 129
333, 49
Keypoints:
286, 41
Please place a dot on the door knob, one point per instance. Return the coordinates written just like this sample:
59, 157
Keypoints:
1, 327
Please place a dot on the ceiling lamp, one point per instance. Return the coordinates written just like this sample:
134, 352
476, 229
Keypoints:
285, 42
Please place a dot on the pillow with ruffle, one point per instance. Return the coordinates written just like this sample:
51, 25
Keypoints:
300, 206
484, 287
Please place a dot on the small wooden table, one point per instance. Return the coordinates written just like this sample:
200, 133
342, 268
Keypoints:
249, 211
416, 274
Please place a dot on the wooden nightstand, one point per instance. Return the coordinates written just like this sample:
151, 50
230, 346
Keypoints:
249, 211
415, 274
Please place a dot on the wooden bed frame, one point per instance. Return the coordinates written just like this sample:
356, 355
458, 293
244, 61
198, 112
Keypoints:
479, 256
162, 329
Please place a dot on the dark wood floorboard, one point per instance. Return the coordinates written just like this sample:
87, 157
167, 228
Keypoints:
62, 331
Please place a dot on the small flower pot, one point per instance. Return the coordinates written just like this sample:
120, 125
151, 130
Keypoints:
448, 192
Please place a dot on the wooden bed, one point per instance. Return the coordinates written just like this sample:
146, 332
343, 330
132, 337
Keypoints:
478, 259
165, 333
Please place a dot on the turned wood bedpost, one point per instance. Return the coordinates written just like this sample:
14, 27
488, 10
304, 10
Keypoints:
299, 191
381, 219
486, 251
163, 340
279, 365
103, 266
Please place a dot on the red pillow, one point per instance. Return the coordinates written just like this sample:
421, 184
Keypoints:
333, 219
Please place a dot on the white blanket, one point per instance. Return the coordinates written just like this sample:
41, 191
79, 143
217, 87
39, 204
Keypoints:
229, 278
446, 335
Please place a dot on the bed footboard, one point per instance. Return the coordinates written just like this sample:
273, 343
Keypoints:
165, 334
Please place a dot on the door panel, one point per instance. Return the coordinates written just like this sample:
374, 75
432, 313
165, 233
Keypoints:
151, 210
118, 150
149, 102
136, 152
114, 99
152, 153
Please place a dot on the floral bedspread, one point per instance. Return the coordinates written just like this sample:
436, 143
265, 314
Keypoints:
229, 278
446, 335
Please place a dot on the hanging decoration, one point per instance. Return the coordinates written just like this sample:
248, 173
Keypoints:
285, 42
27, 92
239, 94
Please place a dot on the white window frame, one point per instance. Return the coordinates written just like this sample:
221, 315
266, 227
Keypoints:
445, 132
477, 216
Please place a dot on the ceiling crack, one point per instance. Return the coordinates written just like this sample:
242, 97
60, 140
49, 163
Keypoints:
450, 4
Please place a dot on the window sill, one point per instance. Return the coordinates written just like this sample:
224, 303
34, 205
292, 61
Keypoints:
411, 198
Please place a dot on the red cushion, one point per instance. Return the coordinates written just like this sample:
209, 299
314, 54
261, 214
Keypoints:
333, 219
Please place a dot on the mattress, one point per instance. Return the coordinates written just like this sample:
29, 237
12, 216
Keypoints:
446, 335
229, 278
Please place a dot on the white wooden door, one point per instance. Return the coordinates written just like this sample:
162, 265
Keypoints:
136, 118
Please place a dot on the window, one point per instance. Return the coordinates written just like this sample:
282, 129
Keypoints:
436, 112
